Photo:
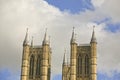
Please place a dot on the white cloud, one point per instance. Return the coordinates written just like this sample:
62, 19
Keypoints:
97, 3
110, 8
17, 15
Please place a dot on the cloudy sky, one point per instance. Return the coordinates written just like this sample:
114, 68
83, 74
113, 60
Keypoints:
59, 16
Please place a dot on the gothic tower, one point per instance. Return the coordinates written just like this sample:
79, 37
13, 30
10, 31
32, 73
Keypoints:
73, 59
93, 57
36, 60
83, 60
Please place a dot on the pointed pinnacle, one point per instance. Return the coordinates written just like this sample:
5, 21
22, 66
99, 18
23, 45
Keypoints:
45, 41
64, 60
93, 39
73, 39
26, 38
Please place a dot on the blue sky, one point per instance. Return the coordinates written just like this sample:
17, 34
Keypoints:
79, 6
113, 27
29, 11
110, 26
72, 5
7, 74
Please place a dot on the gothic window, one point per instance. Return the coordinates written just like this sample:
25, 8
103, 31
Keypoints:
79, 65
31, 70
86, 64
38, 66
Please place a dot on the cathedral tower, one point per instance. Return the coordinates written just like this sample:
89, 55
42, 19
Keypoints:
73, 54
25, 58
83, 60
93, 56
36, 60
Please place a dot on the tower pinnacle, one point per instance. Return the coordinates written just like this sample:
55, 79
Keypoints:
26, 38
93, 39
64, 58
73, 39
45, 41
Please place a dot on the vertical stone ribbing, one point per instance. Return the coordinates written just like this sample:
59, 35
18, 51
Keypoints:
25, 63
93, 61
49, 64
73, 61
45, 65
93, 56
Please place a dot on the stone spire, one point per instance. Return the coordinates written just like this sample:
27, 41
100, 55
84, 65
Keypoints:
45, 41
64, 58
25, 58
93, 57
73, 57
26, 38
73, 39
93, 39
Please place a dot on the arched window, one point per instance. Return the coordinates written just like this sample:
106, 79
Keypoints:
86, 64
79, 65
38, 66
31, 69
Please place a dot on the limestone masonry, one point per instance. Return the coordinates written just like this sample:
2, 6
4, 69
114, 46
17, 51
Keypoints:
36, 60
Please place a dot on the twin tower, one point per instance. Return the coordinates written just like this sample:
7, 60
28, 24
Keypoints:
36, 60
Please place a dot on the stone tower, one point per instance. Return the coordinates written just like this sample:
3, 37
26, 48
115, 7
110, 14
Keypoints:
83, 60
36, 60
